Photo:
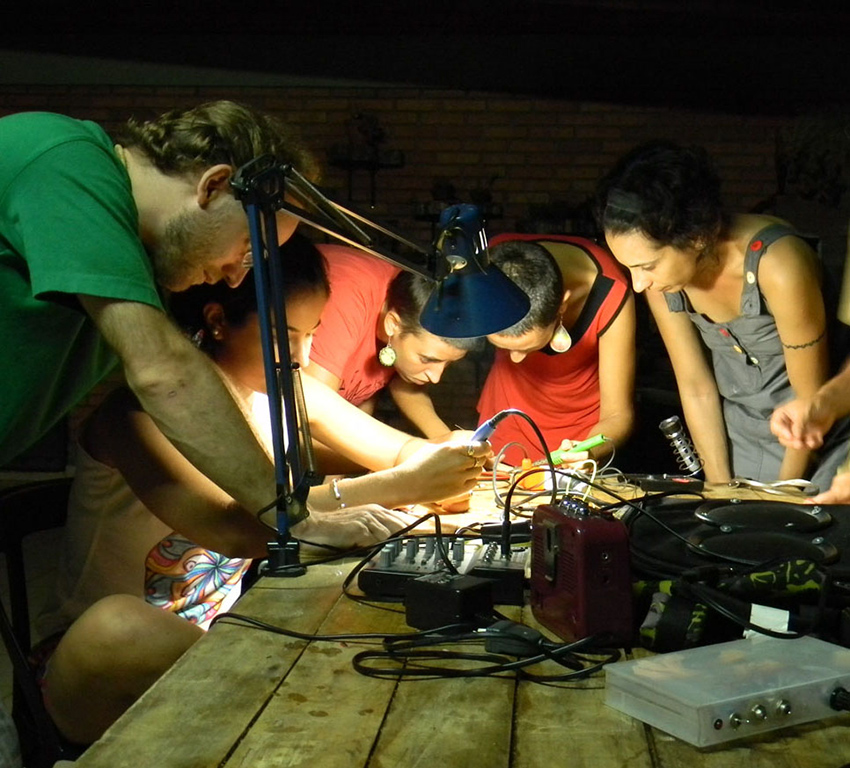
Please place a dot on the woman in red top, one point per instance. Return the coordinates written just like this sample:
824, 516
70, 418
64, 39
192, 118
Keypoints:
569, 364
370, 338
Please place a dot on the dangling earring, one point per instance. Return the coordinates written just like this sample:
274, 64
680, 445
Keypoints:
387, 355
561, 340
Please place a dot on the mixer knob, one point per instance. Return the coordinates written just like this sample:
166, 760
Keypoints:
411, 547
457, 550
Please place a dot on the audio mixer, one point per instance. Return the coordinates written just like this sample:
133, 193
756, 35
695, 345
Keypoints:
386, 574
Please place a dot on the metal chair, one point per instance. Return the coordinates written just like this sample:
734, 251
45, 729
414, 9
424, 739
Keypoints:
24, 510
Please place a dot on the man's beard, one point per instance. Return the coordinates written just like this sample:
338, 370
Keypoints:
191, 240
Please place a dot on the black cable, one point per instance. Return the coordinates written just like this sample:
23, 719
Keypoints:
404, 648
265, 509
242, 619
713, 599
412, 662
506, 516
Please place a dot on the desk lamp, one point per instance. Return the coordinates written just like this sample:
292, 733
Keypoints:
470, 298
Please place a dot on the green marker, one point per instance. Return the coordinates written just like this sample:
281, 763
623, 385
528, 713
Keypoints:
585, 445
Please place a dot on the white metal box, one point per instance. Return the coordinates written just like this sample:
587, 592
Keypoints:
717, 693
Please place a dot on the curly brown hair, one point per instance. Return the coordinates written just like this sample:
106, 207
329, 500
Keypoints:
191, 140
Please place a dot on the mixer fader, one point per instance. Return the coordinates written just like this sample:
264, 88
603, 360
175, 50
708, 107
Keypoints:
385, 575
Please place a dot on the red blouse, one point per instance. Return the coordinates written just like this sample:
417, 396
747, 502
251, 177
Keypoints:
345, 342
560, 392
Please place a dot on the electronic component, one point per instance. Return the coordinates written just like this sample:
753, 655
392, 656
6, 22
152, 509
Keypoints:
689, 460
507, 574
580, 579
442, 598
386, 574
520, 531
717, 693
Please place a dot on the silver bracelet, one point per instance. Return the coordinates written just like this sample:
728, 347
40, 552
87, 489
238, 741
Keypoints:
336, 492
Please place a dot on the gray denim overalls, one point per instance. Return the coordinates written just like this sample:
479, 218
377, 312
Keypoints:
749, 367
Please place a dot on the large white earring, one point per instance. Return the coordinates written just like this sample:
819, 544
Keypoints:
387, 355
561, 340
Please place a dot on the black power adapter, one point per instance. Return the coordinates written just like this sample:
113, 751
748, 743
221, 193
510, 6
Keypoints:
513, 639
439, 599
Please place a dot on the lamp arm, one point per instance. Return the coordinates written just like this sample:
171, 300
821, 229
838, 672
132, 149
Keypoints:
293, 460
285, 189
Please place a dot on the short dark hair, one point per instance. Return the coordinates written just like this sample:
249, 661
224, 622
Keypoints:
407, 295
191, 140
666, 191
304, 270
536, 272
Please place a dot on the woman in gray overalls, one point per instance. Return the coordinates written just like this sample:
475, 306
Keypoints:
745, 288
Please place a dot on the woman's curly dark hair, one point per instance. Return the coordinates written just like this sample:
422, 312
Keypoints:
668, 192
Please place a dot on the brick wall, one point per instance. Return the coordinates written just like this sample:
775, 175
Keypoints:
533, 153
537, 151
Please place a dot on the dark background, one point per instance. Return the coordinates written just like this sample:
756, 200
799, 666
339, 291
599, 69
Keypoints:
757, 56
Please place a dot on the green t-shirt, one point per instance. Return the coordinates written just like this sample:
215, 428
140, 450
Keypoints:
68, 226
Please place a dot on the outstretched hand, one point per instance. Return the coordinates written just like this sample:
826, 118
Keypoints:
351, 527
445, 470
801, 423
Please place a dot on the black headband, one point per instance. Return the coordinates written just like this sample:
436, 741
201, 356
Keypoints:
625, 201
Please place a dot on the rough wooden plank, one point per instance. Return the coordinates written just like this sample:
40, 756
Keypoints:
292, 731
456, 723
200, 708
821, 744
463, 723
570, 723
572, 720
324, 715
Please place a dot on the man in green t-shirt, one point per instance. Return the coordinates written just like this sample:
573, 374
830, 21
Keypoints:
90, 231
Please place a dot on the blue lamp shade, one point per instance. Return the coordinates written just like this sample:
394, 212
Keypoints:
474, 302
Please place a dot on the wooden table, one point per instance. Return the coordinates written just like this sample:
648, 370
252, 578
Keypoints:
247, 698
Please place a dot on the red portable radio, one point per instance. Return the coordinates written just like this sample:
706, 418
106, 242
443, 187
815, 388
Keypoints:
580, 574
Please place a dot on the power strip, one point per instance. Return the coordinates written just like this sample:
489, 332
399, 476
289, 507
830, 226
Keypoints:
719, 693
386, 574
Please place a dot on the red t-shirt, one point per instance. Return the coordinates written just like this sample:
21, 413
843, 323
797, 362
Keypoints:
346, 343
560, 392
